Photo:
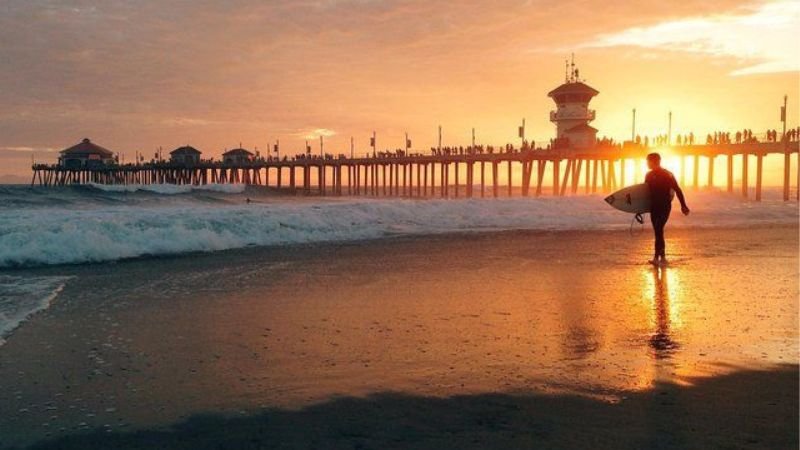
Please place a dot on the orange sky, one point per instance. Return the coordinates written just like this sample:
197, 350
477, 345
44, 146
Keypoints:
139, 75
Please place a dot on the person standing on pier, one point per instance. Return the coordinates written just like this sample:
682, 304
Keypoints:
661, 182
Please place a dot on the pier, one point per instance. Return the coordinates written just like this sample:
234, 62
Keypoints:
576, 153
466, 173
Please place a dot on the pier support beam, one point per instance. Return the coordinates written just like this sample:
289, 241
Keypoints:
419, 180
711, 171
556, 175
567, 172
759, 175
612, 175
510, 179
483, 178
526, 182
542, 167
745, 175
470, 174
495, 187
603, 176
576, 175
455, 167
730, 173
787, 164
425, 180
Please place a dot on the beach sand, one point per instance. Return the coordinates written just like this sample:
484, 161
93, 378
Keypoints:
503, 340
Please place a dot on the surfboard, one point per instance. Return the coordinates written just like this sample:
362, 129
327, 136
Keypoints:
632, 199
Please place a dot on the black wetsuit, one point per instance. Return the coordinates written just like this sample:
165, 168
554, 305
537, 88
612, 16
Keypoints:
661, 182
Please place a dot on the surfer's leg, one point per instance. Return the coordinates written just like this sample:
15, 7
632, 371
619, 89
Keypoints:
658, 219
664, 220
654, 222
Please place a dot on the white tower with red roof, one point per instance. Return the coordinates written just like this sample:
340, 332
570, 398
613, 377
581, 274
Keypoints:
572, 114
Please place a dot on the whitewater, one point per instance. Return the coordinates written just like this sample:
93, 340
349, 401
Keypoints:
94, 224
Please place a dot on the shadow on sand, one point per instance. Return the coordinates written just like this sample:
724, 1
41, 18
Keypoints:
746, 409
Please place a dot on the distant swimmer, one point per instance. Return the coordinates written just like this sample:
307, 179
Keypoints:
247, 200
661, 182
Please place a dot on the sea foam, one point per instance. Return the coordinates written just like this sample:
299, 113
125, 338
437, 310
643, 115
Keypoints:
170, 189
21, 297
32, 237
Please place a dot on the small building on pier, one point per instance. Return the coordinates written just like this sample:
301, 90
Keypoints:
85, 154
572, 114
237, 156
186, 155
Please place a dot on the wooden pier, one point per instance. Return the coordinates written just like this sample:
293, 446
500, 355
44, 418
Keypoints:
455, 175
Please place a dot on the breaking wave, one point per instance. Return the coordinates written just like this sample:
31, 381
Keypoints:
62, 235
170, 189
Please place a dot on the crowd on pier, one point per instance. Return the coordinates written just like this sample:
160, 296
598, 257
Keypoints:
718, 137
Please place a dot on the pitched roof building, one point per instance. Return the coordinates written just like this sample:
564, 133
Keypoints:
185, 155
84, 154
237, 156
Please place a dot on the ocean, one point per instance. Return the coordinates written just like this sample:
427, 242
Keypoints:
130, 310
99, 224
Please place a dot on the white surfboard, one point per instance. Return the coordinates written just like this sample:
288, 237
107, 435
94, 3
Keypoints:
632, 199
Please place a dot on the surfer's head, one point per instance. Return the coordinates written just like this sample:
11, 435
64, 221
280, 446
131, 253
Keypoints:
653, 161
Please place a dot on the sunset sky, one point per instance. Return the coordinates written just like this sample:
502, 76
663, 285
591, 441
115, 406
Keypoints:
136, 75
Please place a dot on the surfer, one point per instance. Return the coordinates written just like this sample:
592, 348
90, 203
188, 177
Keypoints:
661, 182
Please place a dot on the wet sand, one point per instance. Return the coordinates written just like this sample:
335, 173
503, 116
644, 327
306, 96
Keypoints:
518, 339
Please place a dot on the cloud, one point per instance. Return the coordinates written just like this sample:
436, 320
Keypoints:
24, 149
315, 133
763, 38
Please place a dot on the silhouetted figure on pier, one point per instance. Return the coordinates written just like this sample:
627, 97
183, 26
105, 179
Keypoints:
661, 182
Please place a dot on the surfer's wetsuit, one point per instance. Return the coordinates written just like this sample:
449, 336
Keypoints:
661, 182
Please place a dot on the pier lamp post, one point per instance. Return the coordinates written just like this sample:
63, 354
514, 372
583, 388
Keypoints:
473, 139
522, 133
352, 146
321, 148
669, 129
440, 139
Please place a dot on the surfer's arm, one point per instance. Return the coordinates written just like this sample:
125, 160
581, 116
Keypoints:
679, 194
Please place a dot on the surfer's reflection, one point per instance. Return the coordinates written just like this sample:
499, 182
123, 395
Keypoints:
661, 339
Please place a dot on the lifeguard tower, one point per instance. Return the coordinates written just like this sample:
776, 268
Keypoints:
572, 114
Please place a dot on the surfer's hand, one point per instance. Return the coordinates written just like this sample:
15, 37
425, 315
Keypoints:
685, 210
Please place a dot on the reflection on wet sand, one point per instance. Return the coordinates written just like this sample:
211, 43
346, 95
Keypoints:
662, 341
